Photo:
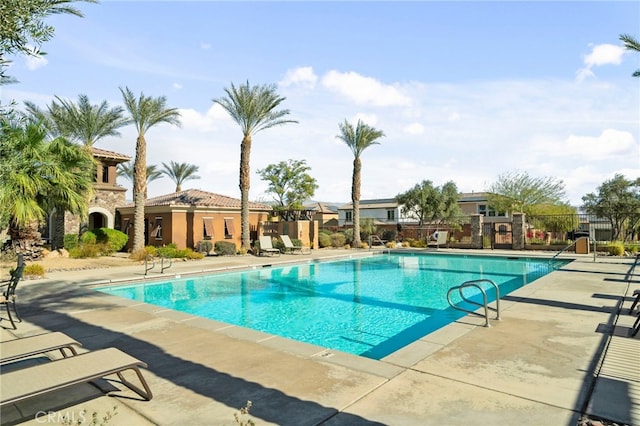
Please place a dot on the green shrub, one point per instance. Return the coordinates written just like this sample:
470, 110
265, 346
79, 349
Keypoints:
70, 241
88, 237
225, 248
615, 248
278, 244
115, 240
348, 235
338, 240
86, 250
418, 243
204, 246
324, 240
143, 253
191, 254
537, 241
33, 270
389, 235
631, 247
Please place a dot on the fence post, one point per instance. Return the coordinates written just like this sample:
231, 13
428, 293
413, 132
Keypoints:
476, 231
518, 231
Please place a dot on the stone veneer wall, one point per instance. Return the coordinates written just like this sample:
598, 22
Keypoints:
518, 229
476, 231
108, 199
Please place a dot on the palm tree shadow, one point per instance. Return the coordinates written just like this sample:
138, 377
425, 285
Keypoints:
50, 312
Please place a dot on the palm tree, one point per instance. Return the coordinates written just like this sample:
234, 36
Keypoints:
145, 112
358, 139
631, 44
37, 176
180, 172
126, 170
254, 109
82, 122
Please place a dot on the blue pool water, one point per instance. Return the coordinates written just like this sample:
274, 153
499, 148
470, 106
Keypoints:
370, 306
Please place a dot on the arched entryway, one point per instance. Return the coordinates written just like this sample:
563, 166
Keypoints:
100, 218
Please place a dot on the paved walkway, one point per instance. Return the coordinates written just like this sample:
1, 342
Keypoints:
562, 349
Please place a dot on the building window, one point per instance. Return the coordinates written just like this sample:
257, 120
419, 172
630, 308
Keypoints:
349, 216
207, 231
486, 210
391, 215
229, 229
105, 174
126, 226
157, 230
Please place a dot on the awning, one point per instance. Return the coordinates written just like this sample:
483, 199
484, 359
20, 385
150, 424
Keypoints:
208, 227
228, 224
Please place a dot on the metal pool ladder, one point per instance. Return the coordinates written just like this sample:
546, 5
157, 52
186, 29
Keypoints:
485, 304
149, 257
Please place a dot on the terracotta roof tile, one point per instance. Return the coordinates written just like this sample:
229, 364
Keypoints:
199, 198
103, 153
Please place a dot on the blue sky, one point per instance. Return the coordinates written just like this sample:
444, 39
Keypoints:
464, 91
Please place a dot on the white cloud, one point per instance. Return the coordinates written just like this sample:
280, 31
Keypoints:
370, 119
193, 120
414, 129
302, 76
610, 144
364, 90
205, 46
601, 54
33, 62
176, 86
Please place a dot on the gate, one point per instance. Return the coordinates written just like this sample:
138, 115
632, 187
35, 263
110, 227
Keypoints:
497, 235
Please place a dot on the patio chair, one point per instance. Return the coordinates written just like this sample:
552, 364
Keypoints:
289, 247
41, 379
439, 238
8, 296
17, 349
266, 247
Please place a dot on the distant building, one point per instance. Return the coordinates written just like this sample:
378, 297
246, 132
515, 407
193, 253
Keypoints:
102, 207
187, 217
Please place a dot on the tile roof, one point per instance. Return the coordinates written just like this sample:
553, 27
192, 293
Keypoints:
199, 198
103, 153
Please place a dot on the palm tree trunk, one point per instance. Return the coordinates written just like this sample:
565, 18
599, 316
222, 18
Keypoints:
355, 199
245, 152
139, 191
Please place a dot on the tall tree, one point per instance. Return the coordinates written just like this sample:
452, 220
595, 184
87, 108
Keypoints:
518, 192
253, 108
357, 139
289, 182
126, 170
146, 112
37, 175
427, 203
180, 173
631, 43
81, 122
23, 30
617, 200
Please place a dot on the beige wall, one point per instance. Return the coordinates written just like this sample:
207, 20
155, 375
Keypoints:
185, 227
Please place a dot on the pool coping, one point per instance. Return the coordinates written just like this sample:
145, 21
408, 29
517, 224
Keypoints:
386, 367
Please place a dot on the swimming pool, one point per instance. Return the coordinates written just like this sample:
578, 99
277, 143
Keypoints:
369, 306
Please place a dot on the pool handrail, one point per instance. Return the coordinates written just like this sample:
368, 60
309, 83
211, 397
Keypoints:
485, 304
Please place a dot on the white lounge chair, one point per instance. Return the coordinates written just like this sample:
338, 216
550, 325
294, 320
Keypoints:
437, 239
13, 350
289, 247
29, 382
266, 247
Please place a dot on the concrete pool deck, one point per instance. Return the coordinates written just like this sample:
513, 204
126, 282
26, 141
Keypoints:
562, 349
